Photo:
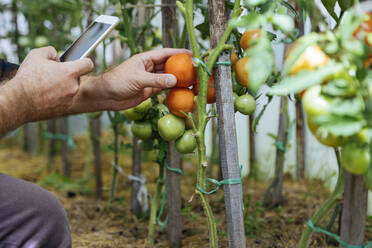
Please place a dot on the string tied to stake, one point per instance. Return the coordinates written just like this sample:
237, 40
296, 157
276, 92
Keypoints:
161, 223
336, 237
142, 194
205, 67
59, 136
175, 170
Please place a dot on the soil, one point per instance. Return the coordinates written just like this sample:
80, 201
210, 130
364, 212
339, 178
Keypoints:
98, 224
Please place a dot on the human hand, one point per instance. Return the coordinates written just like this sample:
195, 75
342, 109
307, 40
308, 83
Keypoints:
46, 85
128, 84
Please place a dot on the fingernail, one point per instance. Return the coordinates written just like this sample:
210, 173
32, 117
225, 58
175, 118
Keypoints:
171, 80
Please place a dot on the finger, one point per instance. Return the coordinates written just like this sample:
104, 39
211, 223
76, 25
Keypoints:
80, 66
159, 68
155, 80
159, 56
48, 52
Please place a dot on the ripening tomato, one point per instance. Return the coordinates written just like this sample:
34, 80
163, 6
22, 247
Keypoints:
186, 143
180, 99
241, 71
211, 92
180, 65
171, 127
315, 103
327, 140
355, 159
142, 129
249, 37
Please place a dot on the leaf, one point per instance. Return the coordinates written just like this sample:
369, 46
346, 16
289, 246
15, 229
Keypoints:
290, 7
249, 21
297, 50
339, 87
339, 125
283, 22
347, 107
304, 79
345, 4
259, 69
330, 7
204, 28
259, 116
255, 2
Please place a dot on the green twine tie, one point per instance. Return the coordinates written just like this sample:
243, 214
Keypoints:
227, 63
175, 170
58, 136
201, 62
161, 223
336, 237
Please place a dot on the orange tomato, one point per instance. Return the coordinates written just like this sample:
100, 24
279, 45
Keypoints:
180, 99
241, 71
234, 58
311, 58
211, 93
180, 65
248, 37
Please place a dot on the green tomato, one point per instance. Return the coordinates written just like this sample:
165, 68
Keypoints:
146, 145
355, 159
143, 106
133, 115
365, 136
171, 127
41, 41
24, 41
246, 104
142, 130
314, 103
186, 143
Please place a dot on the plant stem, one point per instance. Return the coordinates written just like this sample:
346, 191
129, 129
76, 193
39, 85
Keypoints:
332, 200
154, 206
127, 27
116, 160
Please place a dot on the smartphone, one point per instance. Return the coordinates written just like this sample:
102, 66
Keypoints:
92, 36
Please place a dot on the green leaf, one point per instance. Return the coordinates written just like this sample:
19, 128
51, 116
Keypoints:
300, 47
330, 7
259, 116
255, 2
249, 21
284, 22
259, 69
339, 125
304, 79
339, 87
347, 107
345, 4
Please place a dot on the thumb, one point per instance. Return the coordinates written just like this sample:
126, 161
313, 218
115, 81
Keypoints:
156, 80
81, 66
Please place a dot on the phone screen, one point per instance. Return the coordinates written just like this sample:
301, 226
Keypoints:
85, 41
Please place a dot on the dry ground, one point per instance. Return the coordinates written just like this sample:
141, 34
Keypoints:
97, 224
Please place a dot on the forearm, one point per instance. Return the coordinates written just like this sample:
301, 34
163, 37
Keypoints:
13, 111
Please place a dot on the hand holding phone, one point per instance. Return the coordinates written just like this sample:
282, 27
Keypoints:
92, 36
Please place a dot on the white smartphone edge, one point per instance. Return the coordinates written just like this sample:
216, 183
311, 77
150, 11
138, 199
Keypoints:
112, 20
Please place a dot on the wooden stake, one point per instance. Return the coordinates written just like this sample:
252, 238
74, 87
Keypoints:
354, 210
227, 129
174, 203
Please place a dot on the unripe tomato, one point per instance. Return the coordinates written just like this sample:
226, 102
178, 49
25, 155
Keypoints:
241, 71
133, 115
180, 99
249, 37
41, 41
211, 92
355, 159
171, 127
143, 106
186, 143
314, 103
328, 140
146, 145
142, 130
180, 65
311, 58
24, 41
246, 104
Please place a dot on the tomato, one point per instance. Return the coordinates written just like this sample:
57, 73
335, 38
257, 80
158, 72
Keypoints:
328, 140
234, 58
24, 41
180, 65
146, 145
241, 71
143, 106
246, 104
133, 115
355, 159
142, 130
41, 41
171, 127
180, 99
311, 58
365, 136
186, 143
249, 37
211, 92
235, 96
314, 103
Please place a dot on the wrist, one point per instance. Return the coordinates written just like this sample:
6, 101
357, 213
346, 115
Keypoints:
13, 106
